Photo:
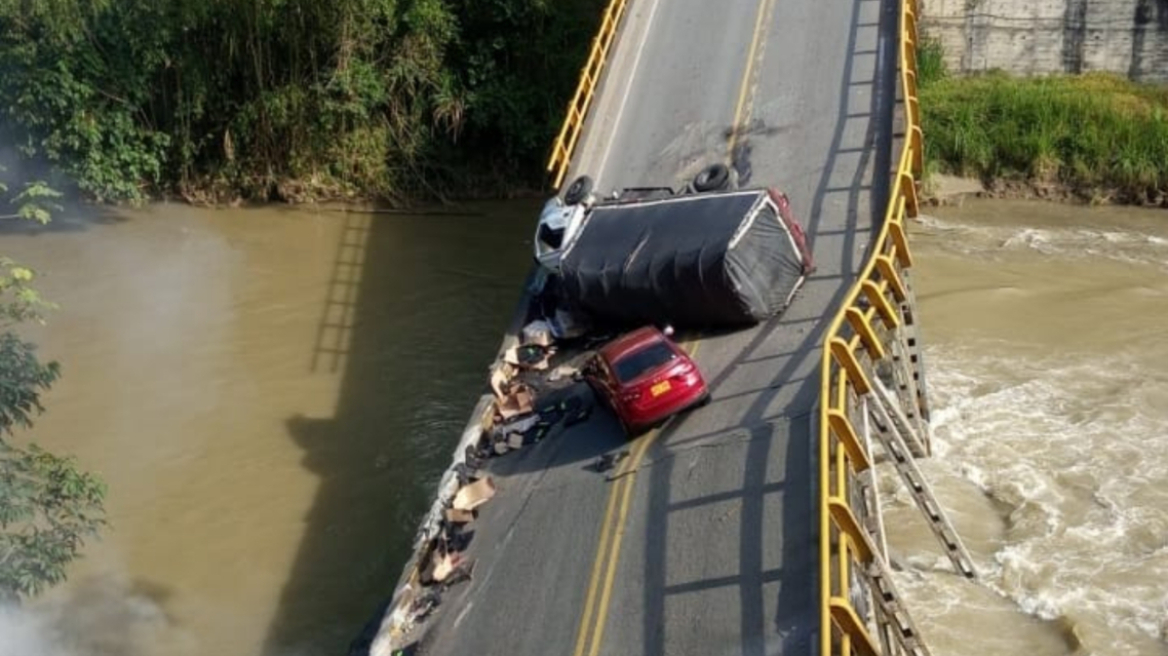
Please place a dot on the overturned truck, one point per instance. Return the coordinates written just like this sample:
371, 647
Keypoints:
723, 259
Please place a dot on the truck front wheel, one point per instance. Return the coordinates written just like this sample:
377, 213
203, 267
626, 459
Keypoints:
578, 190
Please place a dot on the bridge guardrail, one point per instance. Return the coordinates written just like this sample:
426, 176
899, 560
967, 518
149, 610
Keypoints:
565, 143
854, 343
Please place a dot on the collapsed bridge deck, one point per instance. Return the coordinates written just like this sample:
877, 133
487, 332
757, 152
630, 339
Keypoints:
705, 538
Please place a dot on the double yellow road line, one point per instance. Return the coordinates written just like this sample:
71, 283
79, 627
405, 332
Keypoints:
591, 632
588, 638
745, 106
608, 551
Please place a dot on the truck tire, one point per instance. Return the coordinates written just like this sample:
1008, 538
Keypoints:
715, 177
579, 190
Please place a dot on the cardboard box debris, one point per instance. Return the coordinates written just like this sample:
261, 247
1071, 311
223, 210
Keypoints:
562, 371
501, 378
519, 402
444, 564
474, 495
456, 516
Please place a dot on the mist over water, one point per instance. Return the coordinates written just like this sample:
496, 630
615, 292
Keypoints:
104, 616
1048, 371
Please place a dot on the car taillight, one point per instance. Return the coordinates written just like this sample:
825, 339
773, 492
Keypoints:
684, 371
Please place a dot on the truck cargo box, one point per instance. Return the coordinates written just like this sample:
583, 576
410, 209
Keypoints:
716, 259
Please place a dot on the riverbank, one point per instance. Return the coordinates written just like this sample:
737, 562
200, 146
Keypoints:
1096, 138
261, 101
942, 189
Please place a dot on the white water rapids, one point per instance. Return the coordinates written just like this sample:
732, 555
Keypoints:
1047, 361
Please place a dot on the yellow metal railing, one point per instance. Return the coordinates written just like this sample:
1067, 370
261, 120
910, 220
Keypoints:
850, 341
578, 109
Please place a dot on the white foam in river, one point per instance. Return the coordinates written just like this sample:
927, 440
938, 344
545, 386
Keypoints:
1051, 454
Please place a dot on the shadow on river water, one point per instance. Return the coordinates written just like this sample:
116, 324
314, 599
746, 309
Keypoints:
406, 292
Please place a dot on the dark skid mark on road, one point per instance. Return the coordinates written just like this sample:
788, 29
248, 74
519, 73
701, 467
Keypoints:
740, 161
740, 158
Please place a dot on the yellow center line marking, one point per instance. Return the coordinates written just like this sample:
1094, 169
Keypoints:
607, 556
597, 565
613, 527
748, 75
610, 576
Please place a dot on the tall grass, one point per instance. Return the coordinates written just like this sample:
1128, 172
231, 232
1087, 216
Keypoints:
1096, 134
930, 61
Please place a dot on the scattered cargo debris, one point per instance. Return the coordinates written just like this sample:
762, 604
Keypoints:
442, 565
561, 372
719, 258
609, 460
538, 332
459, 516
529, 356
474, 495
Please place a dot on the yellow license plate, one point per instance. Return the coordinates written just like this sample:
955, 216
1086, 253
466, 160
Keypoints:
660, 388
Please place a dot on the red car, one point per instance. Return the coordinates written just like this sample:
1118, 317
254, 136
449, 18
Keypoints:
645, 378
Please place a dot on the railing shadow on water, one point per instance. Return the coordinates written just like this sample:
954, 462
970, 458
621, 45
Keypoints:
408, 291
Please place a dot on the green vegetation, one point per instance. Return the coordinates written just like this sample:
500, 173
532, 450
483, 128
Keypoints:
289, 99
1097, 135
48, 508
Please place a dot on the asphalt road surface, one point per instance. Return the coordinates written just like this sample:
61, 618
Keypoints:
704, 539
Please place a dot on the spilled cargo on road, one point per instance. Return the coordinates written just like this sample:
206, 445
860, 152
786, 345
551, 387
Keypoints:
705, 256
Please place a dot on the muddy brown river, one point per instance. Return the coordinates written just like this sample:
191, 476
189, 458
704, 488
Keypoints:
272, 394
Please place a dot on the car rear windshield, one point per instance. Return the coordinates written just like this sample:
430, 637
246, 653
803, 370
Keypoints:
642, 360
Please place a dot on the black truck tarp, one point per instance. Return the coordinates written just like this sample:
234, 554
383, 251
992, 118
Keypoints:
720, 259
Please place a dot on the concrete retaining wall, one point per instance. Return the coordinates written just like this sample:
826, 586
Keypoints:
1034, 37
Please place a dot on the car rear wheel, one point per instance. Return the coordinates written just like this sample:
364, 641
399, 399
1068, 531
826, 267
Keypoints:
578, 190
